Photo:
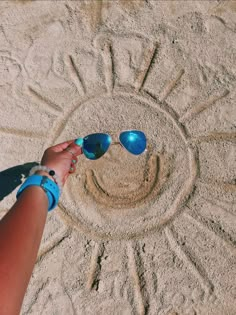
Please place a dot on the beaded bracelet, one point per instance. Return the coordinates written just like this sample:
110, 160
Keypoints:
50, 172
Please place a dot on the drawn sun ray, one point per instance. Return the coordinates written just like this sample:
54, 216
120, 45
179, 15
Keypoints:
42, 286
74, 74
22, 133
108, 67
198, 272
226, 187
48, 104
144, 68
208, 226
171, 85
196, 110
215, 136
57, 241
135, 279
222, 206
94, 265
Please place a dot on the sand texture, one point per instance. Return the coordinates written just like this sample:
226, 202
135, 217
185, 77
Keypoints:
151, 234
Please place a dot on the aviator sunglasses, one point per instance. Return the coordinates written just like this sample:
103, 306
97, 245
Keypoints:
97, 144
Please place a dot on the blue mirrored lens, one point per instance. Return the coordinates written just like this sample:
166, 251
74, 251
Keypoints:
95, 145
134, 141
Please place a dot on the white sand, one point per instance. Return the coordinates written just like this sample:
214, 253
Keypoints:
150, 234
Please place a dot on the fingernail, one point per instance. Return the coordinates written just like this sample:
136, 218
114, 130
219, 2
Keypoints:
74, 161
79, 142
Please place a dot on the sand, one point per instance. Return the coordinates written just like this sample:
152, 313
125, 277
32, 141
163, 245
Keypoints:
149, 234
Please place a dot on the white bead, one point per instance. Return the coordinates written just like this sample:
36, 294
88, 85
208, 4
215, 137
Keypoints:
45, 168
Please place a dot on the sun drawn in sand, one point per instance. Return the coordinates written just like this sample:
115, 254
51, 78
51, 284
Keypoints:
122, 198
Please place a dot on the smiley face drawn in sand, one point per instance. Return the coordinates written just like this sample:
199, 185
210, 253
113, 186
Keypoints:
120, 187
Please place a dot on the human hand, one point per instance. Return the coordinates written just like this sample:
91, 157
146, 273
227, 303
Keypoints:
60, 160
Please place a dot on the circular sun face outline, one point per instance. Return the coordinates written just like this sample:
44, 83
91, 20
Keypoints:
181, 197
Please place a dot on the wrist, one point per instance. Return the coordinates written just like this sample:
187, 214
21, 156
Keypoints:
43, 173
56, 181
43, 170
51, 189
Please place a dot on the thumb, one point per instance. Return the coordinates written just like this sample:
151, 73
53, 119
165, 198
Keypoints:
61, 146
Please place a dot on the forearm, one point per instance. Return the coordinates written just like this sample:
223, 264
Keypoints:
21, 231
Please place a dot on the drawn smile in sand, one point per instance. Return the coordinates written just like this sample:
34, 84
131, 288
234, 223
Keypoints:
130, 188
137, 178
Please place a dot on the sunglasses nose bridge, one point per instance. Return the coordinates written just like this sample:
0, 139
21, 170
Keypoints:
114, 137
115, 143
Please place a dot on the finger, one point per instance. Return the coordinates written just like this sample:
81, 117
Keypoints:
75, 149
74, 160
62, 146
72, 169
